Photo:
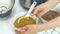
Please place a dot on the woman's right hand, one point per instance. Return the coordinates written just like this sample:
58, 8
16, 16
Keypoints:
45, 7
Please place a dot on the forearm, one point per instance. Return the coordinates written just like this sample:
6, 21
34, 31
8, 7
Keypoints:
51, 24
52, 3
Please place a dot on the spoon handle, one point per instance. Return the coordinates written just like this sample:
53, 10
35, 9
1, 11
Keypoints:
31, 8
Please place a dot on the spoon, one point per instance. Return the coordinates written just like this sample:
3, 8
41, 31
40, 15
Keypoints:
31, 8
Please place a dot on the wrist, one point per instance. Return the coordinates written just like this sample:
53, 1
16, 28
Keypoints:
41, 27
52, 3
49, 25
55, 2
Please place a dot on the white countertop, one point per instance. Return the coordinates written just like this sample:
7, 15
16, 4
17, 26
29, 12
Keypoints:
6, 24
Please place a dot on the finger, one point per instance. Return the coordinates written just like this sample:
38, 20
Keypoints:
19, 32
33, 10
43, 12
36, 10
22, 29
25, 27
32, 13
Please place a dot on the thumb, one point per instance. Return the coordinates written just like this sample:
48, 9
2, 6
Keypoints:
35, 11
22, 29
18, 32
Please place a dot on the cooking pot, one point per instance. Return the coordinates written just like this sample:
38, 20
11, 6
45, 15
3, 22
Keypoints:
27, 3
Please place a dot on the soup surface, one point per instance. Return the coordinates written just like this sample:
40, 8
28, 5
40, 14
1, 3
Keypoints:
23, 21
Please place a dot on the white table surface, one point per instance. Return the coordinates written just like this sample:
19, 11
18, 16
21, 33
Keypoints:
6, 24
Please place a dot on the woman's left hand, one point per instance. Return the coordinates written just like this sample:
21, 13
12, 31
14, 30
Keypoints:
30, 29
33, 29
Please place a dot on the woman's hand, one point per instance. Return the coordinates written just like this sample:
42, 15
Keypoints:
30, 29
45, 7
